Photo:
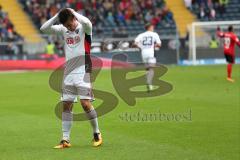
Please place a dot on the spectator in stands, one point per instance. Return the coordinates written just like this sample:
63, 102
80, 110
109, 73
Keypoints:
120, 18
201, 14
167, 14
212, 14
110, 18
148, 16
4, 32
80, 6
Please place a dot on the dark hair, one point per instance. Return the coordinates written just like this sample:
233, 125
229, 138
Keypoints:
147, 26
64, 15
230, 28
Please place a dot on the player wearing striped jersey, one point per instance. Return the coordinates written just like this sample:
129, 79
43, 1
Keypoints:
230, 39
77, 32
147, 42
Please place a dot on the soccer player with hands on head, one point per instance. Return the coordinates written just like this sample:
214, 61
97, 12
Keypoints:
77, 33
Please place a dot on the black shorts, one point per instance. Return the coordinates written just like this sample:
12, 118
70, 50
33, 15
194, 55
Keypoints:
229, 58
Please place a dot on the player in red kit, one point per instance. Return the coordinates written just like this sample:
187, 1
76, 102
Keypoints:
230, 39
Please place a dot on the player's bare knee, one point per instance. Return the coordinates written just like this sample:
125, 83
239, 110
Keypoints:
67, 106
86, 104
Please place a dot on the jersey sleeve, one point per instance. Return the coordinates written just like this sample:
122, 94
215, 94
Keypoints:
236, 39
137, 39
49, 27
157, 39
56, 29
87, 25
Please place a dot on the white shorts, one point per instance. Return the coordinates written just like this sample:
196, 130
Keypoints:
77, 85
149, 61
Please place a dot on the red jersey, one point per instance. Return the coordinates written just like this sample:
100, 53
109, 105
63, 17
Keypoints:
229, 41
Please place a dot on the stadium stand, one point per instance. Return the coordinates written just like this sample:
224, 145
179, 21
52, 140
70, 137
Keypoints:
111, 18
215, 10
182, 15
7, 30
22, 22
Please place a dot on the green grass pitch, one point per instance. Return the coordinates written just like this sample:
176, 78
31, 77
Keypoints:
29, 128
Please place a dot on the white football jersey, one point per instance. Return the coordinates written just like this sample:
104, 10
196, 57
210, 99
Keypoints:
76, 46
77, 43
146, 42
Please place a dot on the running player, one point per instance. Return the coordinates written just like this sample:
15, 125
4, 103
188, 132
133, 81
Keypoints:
229, 48
77, 32
147, 41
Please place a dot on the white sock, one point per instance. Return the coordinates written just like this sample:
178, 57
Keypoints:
66, 124
92, 116
149, 76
